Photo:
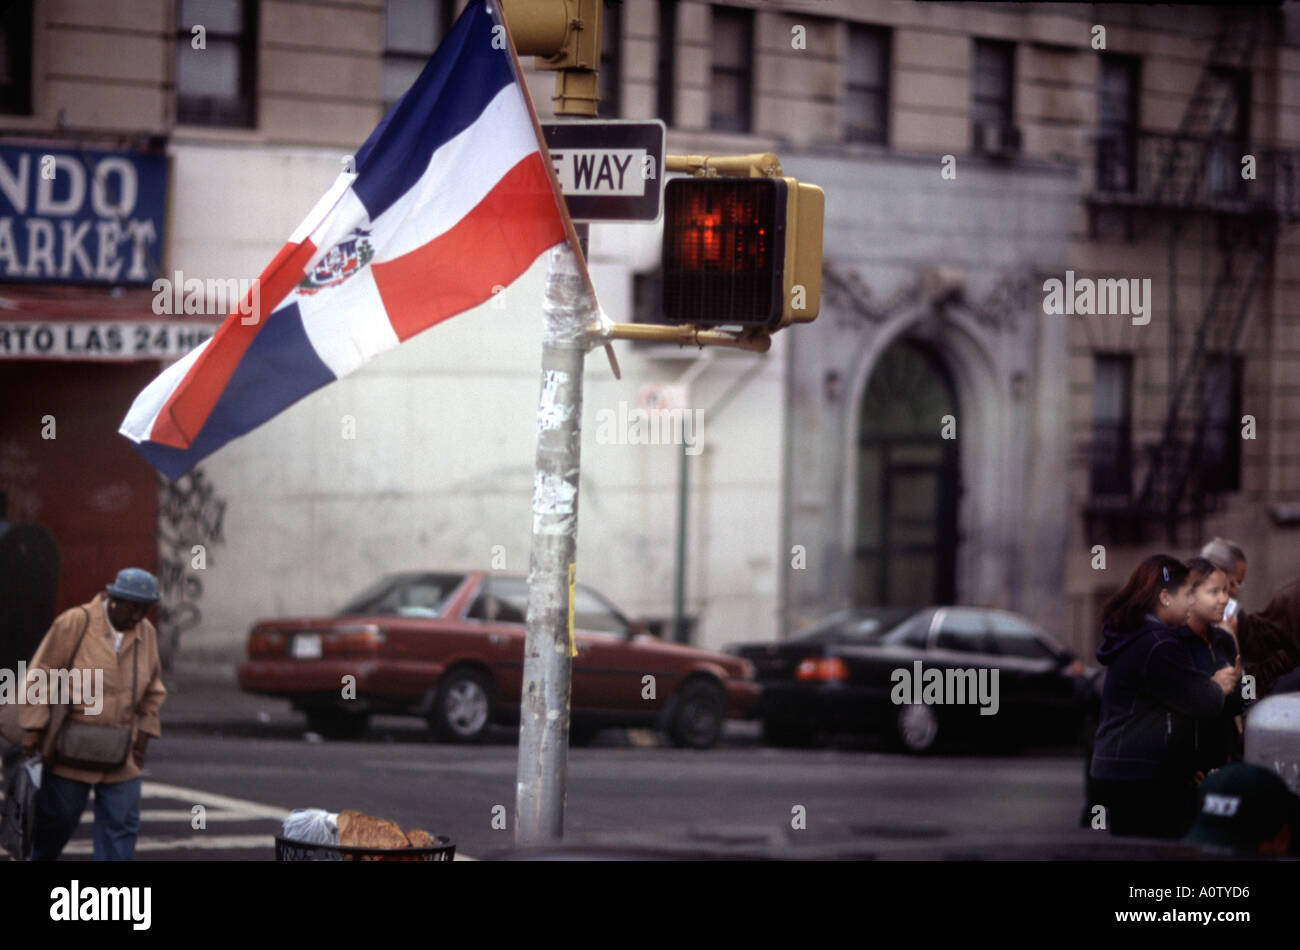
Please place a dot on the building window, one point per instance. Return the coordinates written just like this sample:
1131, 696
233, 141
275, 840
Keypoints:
1118, 124
667, 59
866, 85
731, 106
1221, 419
611, 59
992, 104
216, 85
412, 31
1229, 113
1112, 425
16, 41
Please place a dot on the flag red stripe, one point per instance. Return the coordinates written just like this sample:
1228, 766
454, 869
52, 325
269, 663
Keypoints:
489, 247
187, 409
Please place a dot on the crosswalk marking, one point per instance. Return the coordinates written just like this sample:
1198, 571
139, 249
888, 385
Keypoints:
198, 841
209, 800
179, 814
216, 808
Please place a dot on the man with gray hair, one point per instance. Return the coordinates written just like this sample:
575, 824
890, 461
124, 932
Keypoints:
1228, 557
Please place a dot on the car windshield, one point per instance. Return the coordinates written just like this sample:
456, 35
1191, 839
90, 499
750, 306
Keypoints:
404, 595
853, 625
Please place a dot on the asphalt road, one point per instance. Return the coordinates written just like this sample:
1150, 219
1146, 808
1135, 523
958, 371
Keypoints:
736, 799
247, 761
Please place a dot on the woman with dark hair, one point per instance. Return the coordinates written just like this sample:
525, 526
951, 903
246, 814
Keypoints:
1143, 764
1216, 743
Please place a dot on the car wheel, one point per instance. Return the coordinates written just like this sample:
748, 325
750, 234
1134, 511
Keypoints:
786, 735
334, 723
463, 710
916, 727
697, 716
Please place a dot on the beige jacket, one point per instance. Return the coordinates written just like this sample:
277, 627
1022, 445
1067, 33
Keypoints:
120, 705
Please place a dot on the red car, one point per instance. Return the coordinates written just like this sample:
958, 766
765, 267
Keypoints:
449, 647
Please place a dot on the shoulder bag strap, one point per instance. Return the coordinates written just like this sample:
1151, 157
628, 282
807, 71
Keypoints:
135, 675
61, 711
84, 627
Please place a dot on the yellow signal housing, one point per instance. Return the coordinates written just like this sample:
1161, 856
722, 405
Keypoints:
563, 35
805, 215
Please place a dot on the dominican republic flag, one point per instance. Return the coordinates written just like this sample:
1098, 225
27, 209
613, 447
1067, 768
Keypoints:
450, 197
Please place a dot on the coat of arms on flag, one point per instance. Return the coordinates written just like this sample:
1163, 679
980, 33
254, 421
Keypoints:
339, 263
452, 196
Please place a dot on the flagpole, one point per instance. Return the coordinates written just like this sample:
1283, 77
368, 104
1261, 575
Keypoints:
556, 192
574, 234
569, 312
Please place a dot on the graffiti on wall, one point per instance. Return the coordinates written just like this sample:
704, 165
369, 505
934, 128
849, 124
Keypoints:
189, 524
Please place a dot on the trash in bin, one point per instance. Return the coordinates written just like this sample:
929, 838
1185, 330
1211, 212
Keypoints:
311, 826
353, 836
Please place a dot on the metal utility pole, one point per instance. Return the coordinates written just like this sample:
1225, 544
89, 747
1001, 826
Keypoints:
568, 311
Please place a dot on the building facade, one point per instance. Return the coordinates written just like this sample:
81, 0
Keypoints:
941, 433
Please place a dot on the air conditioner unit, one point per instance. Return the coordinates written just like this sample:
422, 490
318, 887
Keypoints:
993, 138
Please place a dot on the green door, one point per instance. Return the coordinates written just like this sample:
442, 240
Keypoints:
908, 483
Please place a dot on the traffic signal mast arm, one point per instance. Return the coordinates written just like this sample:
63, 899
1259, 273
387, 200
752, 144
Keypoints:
758, 165
759, 341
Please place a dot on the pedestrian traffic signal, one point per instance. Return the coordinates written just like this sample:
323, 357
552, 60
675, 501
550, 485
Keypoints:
742, 251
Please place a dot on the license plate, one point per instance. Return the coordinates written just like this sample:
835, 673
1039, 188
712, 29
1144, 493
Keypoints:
306, 646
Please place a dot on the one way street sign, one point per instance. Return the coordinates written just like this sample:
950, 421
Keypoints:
609, 170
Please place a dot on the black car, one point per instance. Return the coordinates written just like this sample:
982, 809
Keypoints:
915, 676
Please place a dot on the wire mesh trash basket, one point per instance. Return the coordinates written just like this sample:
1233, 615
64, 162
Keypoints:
288, 850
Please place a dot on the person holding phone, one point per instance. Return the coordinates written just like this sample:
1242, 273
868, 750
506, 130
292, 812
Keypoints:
1215, 743
1229, 557
1155, 695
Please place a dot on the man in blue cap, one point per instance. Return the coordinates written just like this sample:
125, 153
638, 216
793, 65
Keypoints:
106, 640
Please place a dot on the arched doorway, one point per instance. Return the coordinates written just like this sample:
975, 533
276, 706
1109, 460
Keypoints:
908, 482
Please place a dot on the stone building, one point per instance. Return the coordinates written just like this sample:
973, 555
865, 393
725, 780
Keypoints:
936, 434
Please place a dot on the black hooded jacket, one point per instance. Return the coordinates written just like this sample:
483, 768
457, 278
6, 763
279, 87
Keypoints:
1157, 699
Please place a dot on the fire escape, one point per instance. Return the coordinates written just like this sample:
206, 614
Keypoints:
1191, 183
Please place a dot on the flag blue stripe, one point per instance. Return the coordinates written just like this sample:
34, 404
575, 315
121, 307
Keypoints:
462, 77
279, 368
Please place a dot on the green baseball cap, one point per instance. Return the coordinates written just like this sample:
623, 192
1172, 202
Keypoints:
1240, 807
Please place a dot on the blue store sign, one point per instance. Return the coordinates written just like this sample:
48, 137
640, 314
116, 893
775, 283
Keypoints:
81, 217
